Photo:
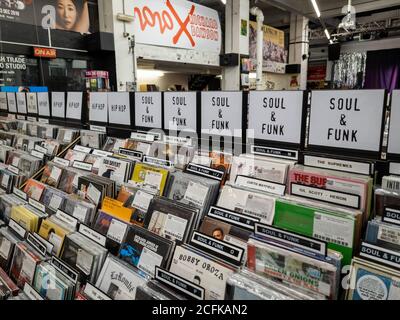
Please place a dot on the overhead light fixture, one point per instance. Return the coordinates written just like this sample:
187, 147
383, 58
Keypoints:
149, 74
330, 41
224, 2
125, 17
327, 34
315, 5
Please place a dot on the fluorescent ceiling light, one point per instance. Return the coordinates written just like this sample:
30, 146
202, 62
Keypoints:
315, 5
330, 41
223, 1
327, 34
149, 74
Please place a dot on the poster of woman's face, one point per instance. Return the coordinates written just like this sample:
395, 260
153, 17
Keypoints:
72, 15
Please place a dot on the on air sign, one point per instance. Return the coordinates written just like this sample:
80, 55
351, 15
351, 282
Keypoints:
177, 23
45, 53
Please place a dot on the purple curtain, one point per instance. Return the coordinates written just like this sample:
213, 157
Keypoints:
383, 70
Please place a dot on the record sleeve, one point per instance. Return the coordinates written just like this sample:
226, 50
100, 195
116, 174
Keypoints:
118, 280
145, 250
150, 177
34, 189
201, 270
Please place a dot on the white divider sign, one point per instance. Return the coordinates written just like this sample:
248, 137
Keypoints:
148, 110
74, 105
98, 107
21, 102
43, 104
221, 113
31, 98
180, 111
3, 101
394, 131
119, 111
276, 115
58, 104
12, 102
347, 119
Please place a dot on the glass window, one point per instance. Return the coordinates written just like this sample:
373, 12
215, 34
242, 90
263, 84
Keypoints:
18, 70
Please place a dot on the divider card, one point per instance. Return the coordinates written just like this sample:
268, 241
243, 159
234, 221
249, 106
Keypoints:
180, 111
348, 119
43, 104
31, 102
221, 113
58, 104
12, 102
98, 107
74, 105
119, 109
276, 115
148, 110
394, 129
3, 101
21, 102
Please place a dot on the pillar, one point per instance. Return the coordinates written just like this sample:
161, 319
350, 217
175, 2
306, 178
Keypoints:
236, 12
299, 46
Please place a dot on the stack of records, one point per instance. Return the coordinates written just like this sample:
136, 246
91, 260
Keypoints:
118, 170
80, 209
383, 234
260, 168
279, 263
54, 230
7, 287
28, 217
118, 280
93, 139
25, 164
52, 284
7, 202
74, 155
26, 143
349, 190
137, 145
4, 152
95, 188
196, 191
257, 205
24, 263
372, 281
95, 161
8, 124
171, 220
145, 250
69, 180
53, 199
387, 197
8, 240
83, 254
34, 189
52, 174
154, 290
203, 270
7, 138
8, 179
246, 285
136, 199
114, 144
179, 154
66, 136
339, 227
150, 178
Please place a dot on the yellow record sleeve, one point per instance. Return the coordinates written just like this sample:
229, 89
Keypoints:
150, 177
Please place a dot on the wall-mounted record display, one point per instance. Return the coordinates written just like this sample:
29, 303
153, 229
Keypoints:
3, 101
43, 104
31, 102
180, 111
58, 105
74, 105
98, 107
276, 117
21, 102
221, 113
347, 121
148, 110
12, 102
119, 108
394, 129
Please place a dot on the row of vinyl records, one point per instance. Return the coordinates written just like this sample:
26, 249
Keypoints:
133, 219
